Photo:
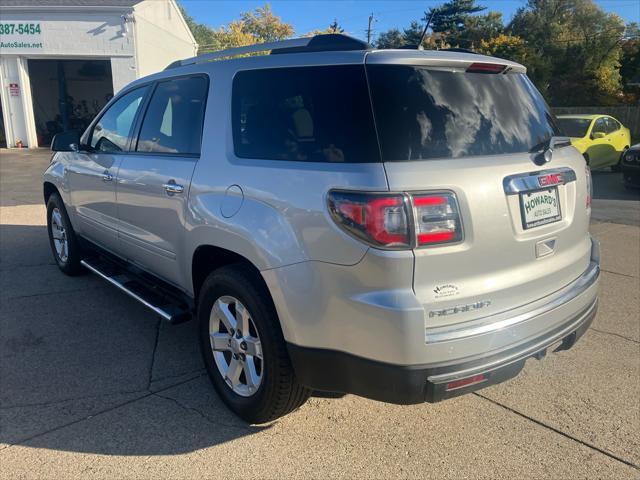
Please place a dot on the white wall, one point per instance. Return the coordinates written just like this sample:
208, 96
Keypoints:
162, 36
123, 70
87, 32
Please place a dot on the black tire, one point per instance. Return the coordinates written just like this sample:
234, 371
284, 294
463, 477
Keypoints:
69, 263
279, 393
618, 166
586, 158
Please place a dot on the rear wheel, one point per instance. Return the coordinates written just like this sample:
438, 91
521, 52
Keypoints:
243, 347
64, 244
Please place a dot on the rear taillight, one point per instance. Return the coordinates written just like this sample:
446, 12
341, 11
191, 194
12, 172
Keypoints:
397, 220
379, 219
437, 219
479, 67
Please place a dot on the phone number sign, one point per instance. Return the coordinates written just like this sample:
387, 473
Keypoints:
20, 35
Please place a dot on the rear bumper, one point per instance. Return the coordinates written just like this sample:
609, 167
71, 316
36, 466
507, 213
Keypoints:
336, 371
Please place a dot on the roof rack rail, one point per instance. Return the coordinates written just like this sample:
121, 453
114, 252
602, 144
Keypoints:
458, 50
317, 43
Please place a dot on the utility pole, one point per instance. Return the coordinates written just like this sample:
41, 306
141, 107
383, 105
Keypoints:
369, 28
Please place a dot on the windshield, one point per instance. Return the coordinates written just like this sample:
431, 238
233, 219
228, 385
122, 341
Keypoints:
422, 113
574, 127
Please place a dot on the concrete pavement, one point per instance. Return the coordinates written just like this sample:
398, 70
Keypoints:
94, 386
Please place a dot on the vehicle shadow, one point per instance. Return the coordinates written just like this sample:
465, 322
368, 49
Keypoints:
609, 186
77, 353
612, 202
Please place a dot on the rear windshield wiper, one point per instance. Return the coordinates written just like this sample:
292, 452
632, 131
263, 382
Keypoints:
550, 143
545, 149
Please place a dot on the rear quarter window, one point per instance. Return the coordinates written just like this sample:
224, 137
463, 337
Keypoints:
306, 114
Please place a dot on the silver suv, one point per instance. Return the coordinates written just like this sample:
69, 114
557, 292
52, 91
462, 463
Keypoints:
402, 225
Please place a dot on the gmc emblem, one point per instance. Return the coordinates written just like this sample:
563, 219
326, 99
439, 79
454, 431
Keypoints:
551, 179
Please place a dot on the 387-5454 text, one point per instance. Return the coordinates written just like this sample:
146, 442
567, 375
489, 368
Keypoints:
20, 29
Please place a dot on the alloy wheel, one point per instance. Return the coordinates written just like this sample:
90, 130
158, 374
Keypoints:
59, 234
236, 346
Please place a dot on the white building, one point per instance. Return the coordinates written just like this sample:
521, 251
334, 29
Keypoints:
61, 60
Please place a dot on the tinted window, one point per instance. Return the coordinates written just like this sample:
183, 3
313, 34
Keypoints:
423, 113
612, 125
173, 121
574, 127
313, 114
600, 126
112, 131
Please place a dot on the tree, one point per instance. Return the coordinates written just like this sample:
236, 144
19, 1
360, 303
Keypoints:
331, 29
335, 27
390, 39
578, 50
478, 28
202, 33
452, 23
509, 47
449, 19
257, 26
413, 33
394, 38
630, 61
264, 26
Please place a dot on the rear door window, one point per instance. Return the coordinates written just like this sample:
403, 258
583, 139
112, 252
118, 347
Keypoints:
612, 125
423, 113
600, 126
174, 118
306, 114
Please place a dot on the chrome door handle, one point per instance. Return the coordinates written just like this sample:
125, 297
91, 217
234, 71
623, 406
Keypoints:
172, 188
106, 176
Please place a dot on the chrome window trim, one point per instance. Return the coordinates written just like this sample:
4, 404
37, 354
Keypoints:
525, 182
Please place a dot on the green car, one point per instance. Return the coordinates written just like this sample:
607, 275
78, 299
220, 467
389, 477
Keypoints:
601, 139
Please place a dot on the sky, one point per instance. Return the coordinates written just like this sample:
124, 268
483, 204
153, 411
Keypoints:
353, 15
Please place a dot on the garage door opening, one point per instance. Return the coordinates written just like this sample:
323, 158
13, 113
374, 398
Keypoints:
67, 94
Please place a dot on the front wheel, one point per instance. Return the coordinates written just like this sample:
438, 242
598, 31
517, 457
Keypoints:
64, 244
243, 347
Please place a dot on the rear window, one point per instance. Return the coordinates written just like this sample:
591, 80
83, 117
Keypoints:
612, 125
424, 113
308, 114
173, 122
574, 127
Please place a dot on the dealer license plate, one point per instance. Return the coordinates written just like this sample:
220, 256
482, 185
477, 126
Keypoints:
540, 207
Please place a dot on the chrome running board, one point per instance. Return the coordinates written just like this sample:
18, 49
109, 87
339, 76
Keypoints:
148, 295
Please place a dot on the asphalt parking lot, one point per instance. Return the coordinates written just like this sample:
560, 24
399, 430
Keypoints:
92, 385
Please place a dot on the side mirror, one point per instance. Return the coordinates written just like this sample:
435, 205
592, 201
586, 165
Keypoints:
596, 135
66, 141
